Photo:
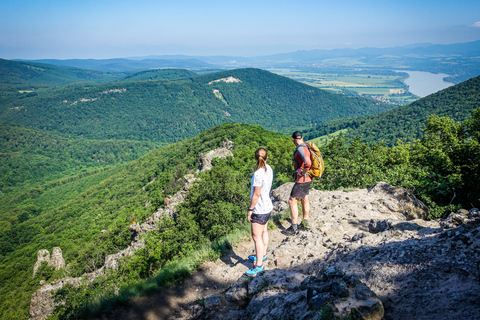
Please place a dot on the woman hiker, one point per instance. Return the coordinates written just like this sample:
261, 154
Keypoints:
260, 209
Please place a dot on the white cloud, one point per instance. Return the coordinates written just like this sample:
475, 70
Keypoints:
476, 24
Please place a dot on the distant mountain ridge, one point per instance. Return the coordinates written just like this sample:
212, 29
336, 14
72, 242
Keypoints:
20, 73
169, 111
128, 65
460, 60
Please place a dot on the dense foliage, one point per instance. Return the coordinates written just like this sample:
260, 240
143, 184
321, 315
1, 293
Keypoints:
160, 74
111, 199
407, 122
33, 74
170, 111
29, 156
441, 168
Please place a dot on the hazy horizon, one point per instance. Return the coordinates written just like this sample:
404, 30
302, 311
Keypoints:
93, 29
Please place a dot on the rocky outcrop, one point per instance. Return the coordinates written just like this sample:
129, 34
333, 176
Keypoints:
42, 255
418, 269
42, 303
407, 203
56, 260
284, 294
205, 160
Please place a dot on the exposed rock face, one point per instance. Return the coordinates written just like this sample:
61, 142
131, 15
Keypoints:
407, 204
283, 294
342, 295
42, 255
42, 303
205, 160
418, 269
56, 260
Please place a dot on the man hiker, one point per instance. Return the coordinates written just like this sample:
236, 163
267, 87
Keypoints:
301, 164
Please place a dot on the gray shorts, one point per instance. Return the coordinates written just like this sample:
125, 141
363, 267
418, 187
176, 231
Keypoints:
260, 218
300, 190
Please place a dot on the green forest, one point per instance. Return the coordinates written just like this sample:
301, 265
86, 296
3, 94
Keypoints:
167, 111
406, 123
75, 175
441, 169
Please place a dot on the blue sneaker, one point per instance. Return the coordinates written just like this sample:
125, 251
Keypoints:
253, 257
255, 270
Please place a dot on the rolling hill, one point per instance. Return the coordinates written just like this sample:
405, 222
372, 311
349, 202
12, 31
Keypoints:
33, 157
169, 111
72, 212
407, 122
87, 212
34, 74
160, 74
129, 65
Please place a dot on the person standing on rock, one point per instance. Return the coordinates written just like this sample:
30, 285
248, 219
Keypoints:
301, 163
260, 209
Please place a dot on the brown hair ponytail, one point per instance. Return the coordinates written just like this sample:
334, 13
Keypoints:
261, 155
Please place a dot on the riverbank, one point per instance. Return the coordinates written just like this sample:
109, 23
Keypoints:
423, 83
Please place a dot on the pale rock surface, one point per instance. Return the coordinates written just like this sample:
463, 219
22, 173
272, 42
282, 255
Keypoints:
56, 260
205, 160
407, 268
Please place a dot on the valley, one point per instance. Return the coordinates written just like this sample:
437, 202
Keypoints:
382, 85
84, 154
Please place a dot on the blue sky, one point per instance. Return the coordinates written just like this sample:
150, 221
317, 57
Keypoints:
100, 29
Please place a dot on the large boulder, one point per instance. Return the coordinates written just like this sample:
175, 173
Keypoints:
407, 203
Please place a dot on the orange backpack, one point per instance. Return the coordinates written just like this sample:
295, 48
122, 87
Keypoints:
317, 168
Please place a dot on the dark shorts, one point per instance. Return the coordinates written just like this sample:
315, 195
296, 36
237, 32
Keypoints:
300, 190
260, 218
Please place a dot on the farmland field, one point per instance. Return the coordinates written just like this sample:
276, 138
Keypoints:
386, 86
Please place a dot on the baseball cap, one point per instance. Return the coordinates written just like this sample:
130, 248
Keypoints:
297, 135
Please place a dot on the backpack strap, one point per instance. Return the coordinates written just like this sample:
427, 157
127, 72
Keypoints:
302, 155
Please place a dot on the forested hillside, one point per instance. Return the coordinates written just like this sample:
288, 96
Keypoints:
160, 74
34, 74
406, 123
111, 199
441, 169
130, 65
29, 156
170, 111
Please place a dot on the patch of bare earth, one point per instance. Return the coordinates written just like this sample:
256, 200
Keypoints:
419, 269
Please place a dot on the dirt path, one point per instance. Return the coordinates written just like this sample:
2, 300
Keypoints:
419, 269
183, 301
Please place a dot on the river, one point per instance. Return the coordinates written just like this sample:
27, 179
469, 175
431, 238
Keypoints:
424, 83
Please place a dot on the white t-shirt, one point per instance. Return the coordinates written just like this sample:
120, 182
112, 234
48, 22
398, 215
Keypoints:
262, 178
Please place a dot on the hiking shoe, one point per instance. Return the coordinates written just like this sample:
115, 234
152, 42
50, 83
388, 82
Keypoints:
290, 231
254, 257
255, 270
304, 225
